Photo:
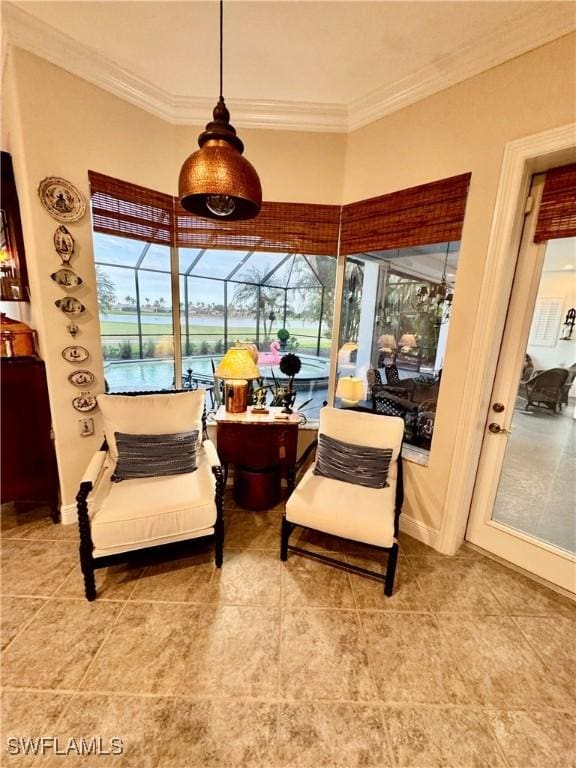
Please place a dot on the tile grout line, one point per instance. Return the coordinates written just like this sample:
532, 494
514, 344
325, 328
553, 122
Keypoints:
484, 714
379, 702
99, 649
26, 623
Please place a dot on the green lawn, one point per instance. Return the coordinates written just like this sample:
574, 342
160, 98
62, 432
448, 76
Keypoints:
201, 332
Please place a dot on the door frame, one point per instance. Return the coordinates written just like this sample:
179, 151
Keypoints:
522, 159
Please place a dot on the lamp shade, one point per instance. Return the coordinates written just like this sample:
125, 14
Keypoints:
387, 341
350, 389
408, 340
237, 363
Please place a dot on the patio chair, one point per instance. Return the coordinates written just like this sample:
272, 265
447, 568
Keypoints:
567, 386
545, 388
393, 379
154, 482
354, 489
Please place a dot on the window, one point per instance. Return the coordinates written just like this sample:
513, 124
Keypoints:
223, 288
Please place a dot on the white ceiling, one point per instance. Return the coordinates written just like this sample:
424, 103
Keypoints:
324, 65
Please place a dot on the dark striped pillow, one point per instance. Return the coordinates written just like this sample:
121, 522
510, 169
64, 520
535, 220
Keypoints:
356, 464
155, 455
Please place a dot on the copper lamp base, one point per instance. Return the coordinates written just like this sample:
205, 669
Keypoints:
236, 396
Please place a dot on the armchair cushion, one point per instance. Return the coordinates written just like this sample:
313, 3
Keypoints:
151, 511
151, 414
357, 464
155, 455
342, 509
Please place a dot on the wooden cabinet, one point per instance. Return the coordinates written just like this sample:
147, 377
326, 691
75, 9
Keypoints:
29, 471
260, 447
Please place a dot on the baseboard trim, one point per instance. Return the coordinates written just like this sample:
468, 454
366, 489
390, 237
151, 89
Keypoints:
418, 530
68, 514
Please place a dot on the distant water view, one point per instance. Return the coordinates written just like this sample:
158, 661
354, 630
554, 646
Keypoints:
166, 319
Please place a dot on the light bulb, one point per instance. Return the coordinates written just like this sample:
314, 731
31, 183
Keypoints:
220, 205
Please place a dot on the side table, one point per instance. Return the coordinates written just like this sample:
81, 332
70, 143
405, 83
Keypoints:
260, 447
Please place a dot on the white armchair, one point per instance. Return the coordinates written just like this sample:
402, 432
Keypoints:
117, 518
345, 508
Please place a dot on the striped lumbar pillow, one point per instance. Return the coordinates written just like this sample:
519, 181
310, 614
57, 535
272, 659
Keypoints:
155, 455
357, 464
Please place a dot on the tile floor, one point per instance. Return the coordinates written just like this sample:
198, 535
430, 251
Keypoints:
269, 665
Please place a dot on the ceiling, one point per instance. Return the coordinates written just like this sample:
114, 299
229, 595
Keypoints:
324, 65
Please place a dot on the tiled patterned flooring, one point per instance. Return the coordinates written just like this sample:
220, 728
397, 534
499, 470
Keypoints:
263, 664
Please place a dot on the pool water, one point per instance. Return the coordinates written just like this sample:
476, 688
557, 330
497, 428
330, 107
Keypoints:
128, 375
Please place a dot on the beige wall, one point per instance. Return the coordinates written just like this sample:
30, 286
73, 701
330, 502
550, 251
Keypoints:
464, 128
56, 124
60, 125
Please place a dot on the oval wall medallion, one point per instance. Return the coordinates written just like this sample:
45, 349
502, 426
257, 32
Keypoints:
75, 354
70, 305
82, 378
84, 402
66, 277
64, 243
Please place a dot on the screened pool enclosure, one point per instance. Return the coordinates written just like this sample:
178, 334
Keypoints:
162, 308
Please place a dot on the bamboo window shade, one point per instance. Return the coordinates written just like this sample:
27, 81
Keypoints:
128, 210
557, 214
282, 227
429, 213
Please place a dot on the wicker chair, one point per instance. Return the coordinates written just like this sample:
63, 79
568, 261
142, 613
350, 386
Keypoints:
567, 386
394, 380
546, 389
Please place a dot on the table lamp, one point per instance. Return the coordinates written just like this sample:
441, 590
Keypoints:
350, 390
237, 367
407, 342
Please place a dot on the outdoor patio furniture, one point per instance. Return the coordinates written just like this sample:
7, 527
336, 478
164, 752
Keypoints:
545, 389
393, 378
567, 386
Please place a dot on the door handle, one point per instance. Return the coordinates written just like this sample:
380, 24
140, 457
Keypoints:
496, 429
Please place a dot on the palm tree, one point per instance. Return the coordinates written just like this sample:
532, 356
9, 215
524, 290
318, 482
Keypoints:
245, 299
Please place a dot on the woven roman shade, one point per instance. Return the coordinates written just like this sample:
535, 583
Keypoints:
128, 210
557, 214
281, 227
429, 213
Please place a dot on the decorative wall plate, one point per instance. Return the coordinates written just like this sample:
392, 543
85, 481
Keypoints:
66, 277
75, 354
64, 244
84, 402
72, 329
70, 305
82, 378
61, 199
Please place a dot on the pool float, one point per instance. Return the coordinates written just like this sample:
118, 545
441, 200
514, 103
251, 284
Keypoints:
270, 358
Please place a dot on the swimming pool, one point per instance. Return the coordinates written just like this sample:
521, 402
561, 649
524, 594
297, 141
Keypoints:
128, 375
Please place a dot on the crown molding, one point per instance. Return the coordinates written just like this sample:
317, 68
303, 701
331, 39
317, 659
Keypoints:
532, 30
23, 30
26, 31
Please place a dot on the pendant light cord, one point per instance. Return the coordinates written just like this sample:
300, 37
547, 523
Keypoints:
221, 44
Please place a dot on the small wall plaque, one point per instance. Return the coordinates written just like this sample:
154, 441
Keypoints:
70, 305
66, 277
64, 244
84, 402
75, 354
82, 378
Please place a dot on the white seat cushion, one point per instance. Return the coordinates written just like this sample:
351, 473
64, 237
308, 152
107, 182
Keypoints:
146, 512
346, 510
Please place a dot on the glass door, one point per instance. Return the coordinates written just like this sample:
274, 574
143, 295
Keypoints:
523, 508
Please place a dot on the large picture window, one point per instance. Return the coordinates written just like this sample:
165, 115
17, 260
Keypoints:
171, 303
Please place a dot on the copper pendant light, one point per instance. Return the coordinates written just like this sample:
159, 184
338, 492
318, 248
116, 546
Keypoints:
216, 182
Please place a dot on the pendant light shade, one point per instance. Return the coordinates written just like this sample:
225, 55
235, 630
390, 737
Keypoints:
216, 181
